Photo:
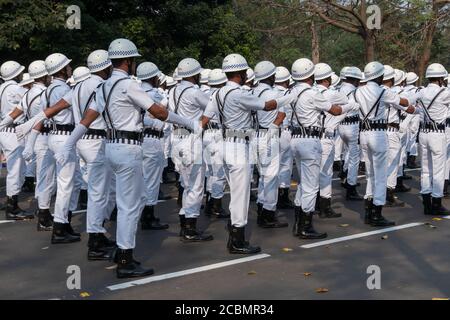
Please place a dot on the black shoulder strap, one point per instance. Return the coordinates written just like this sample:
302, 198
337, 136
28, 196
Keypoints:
48, 94
1, 95
29, 104
177, 102
425, 109
295, 103
374, 107
108, 98
221, 106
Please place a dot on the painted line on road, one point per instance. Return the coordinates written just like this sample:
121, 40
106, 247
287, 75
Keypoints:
6, 221
185, 272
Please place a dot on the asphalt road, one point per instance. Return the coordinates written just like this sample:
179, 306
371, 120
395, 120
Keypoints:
414, 261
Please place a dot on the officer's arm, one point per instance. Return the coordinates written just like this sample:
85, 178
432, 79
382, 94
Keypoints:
279, 119
56, 108
89, 117
204, 121
16, 113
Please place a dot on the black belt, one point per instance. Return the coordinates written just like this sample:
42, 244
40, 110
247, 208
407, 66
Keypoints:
95, 132
394, 125
150, 133
213, 126
181, 130
306, 132
430, 127
447, 122
377, 125
63, 127
350, 120
119, 136
402, 117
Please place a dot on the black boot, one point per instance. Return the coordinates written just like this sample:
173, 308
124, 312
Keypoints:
162, 196
306, 227
182, 225
149, 221
165, 176
237, 243
376, 219
45, 220
392, 200
337, 166
426, 201
400, 187
317, 205
297, 214
283, 199
259, 217
368, 209
113, 216
217, 210
352, 194
411, 162
192, 235
326, 212
127, 266
83, 199
270, 220
100, 247
28, 185
437, 208
14, 212
446, 193
60, 234
253, 196
69, 226
180, 195
405, 176
362, 168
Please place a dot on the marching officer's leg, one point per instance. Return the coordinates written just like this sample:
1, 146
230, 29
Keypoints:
286, 163
393, 161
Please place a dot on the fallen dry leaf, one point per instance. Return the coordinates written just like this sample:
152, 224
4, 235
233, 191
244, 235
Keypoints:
307, 274
111, 267
344, 225
436, 219
44, 248
84, 294
287, 249
384, 237
251, 273
440, 299
322, 290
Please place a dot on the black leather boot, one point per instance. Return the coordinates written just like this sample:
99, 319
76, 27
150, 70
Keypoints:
352, 194
296, 228
437, 209
368, 209
127, 267
45, 220
283, 199
163, 196
411, 162
237, 243
98, 248
180, 195
376, 219
182, 225
362, 168
217, 210
83, 199
306, 227
326, 212
400, 187
113, 216
446, 193
270, 220
149, 221
14, 212
192, 235
28, 185
60, 234
426, 201
259, 217
392, 200
405, 176
69, 226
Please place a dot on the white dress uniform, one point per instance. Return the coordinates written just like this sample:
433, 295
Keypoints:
30, 166
188, 101
122, 107
403, 132
413, 124
10, 97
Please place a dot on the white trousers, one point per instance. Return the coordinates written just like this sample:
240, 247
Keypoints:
30, 166
12, 150
433, 147
267, 153
374, 146
326, 168
349, 134
188, 157
45, 172
215, 174
68, 179
126, 164
339, 148
238, 171
393, 158
100, 183
153, 165
286, 159
447, 163
307, 153
413, 130
404, 138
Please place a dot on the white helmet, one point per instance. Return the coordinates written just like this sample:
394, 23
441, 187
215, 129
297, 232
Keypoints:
80, 74
282, 75
70, 81
250, 75
343, 72
37, 69
26, 79
436, 70
170, 82
234, 62
400, 76
302, 69
389, 73
216, 77
363, 80
335, 79
98, 60
162, 78
264, 70
373, 70
322, 71
147, 70
352, 72
204, 76
56, 62
411, 78
10, 69
122, 48
188, 67
175, 75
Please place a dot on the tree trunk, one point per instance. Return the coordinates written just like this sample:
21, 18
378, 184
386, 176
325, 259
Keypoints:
369, 46
430, 29
315, 47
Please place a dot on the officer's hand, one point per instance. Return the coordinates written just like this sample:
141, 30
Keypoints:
411, 109
62, 157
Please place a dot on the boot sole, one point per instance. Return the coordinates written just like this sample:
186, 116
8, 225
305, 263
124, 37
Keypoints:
124, 276
64, 242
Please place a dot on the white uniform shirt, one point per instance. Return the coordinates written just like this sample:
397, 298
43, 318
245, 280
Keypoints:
349, 90
126, 103
192, 103
266, 92
205, 88
11, 96
330, 122
439, 111
59, 91
155, 95
393, 111
287, 109
238, 107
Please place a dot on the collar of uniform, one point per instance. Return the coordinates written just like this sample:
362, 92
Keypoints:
409, 87
346, 84
9, 82
433, 85
232, 84
97, 77
281, 88
59, 80
39, 85
373, 84
321, 87
386, 87
146, 86
185, 83
119, 72
303, 84
263, 85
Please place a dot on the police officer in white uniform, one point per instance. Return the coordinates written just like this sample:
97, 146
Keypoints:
12, 115
435, 103
233, 106
188, 101
414, 122
372, 99
266, 145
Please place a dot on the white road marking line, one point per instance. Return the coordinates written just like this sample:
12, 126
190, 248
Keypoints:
185, 272
6, 221
78, 211
361, 235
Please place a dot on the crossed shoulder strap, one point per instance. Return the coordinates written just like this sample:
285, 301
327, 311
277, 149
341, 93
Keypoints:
29, 104
177, 102
425, 109
294, 113
221, 106
48, 94
375, 106
1, 95
108, 98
